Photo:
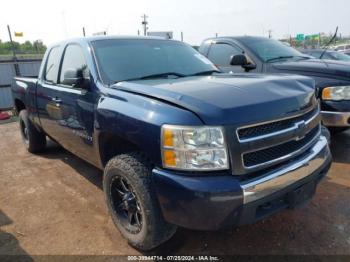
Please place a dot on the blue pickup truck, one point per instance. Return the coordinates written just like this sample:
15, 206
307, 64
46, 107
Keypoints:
180, 143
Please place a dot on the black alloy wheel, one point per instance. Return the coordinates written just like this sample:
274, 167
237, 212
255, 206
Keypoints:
126, 205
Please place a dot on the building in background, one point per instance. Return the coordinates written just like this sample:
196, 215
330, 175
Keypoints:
164, 34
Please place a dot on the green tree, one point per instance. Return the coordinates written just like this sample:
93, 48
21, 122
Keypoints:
36, 47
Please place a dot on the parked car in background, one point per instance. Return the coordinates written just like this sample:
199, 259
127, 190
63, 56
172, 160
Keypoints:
342, 48
329, 54
180, 144
262, 55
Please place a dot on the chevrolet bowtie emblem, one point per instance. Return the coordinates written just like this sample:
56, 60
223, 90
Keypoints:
301, 130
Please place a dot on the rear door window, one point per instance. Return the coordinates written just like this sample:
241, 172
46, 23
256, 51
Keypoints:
52, 65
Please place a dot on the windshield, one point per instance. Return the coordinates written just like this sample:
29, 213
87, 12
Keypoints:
126, 59
269, 49
341, 56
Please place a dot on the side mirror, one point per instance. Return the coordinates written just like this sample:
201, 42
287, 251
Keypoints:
241, 60
73, 77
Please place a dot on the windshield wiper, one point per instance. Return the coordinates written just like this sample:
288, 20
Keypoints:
304, 57
286, 57
203, 73
161, 75
278, 58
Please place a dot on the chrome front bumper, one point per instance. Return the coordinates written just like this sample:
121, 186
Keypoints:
284, 177
336, 118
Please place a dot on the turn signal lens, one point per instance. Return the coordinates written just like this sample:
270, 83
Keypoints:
169, 157
327, 93
168, 138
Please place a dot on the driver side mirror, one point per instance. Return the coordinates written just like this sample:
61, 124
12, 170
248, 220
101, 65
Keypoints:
241, 60
74, 77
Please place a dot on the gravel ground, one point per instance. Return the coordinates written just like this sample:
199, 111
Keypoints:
53, 204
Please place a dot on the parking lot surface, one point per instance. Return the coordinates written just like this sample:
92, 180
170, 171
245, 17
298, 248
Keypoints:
53, 203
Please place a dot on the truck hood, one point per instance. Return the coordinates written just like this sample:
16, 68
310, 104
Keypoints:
332, 68
226, 99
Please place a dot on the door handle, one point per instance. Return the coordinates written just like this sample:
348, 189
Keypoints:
56, 100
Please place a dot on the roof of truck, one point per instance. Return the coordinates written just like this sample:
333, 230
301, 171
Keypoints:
238, 38
104, 37
89, 39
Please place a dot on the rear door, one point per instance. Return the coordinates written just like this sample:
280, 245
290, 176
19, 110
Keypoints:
46, 96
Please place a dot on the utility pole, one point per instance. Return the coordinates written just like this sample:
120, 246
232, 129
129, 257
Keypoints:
182, 36
319, 40
14, 52
12, 44
270, 33
63, 13
84, 31
144, 24
138, 32
216, 35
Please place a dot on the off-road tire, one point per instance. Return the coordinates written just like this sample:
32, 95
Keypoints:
34, 140
136, 169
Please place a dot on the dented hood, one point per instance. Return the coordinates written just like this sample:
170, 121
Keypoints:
226, 99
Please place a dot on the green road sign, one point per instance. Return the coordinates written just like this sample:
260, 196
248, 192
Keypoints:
300, 37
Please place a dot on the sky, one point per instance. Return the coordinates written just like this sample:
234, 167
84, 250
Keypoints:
52, 21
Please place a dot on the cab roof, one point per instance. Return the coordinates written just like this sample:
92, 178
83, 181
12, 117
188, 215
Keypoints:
90, 39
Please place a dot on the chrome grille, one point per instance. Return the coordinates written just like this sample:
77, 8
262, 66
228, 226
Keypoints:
263, 129
266, 144
275, 152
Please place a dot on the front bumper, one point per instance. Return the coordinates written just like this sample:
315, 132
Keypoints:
216, 201
339, 119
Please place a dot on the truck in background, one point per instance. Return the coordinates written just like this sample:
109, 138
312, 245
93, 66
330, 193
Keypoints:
263, 55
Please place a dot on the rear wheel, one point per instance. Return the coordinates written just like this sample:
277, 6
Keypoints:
34, 140
132, 202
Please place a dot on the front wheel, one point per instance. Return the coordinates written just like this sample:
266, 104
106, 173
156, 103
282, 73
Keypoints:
132, 202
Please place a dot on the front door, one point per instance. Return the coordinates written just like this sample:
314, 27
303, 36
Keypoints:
76, 125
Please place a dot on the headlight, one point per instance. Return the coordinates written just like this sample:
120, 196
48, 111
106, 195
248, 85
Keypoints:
194, 148
336, 93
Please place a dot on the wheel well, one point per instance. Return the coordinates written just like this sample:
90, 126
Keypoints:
111, 145
19, 105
